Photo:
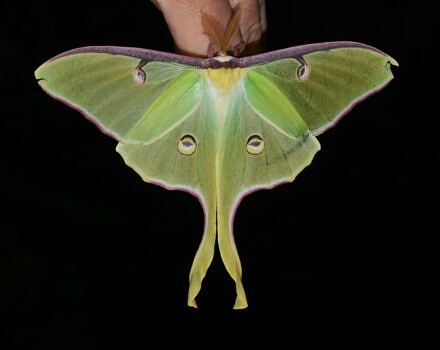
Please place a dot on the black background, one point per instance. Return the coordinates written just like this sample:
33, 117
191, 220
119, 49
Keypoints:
344, 256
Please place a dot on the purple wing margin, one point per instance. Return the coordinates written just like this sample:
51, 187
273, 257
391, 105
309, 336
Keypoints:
144, 55
299, 51
147, 55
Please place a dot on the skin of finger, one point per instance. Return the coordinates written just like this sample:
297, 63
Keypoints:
252, 19
184, 21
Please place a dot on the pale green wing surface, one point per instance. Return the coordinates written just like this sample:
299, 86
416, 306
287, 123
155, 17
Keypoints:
184, 159
253, 154
319, 87
131, 102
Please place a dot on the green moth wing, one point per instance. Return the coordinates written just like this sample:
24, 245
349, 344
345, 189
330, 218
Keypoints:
325, 84
219, 128
116, 92
241, 155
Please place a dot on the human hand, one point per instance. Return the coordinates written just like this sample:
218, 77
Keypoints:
184, 19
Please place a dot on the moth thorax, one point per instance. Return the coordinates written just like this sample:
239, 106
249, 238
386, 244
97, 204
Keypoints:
223, 79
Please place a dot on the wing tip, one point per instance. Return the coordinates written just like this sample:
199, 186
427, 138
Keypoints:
38, 74
393, 61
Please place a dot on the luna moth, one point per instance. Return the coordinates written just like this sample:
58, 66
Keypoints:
220, 127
